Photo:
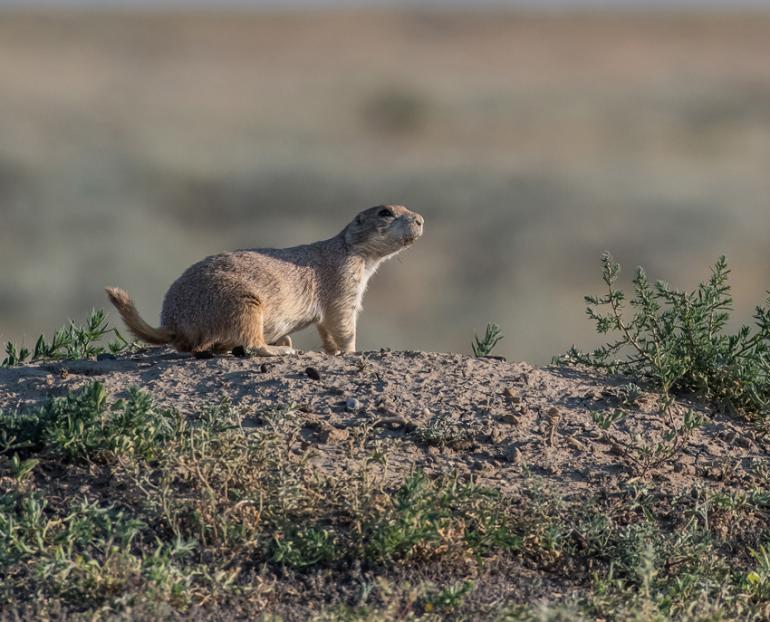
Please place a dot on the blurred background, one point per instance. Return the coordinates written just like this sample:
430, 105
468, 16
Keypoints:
135, 141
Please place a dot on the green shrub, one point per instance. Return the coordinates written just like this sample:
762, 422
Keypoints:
678, 340
83, 426
71, 342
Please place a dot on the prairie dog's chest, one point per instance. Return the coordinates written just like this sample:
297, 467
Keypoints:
364, 273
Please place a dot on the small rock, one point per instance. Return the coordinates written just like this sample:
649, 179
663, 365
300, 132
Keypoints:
426, 412
205, 354
352, 404
480, 465
240, 352
313, 373
576, 443
264, 368
684, 468
552, 411
105, 356
508, 418
395, 422
330, 434
494, 437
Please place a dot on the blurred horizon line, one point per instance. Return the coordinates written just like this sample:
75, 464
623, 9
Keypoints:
530, 5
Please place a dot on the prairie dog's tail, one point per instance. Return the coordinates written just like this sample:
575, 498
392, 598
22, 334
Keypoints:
138, 327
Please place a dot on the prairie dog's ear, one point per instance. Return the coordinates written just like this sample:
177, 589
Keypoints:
359, 219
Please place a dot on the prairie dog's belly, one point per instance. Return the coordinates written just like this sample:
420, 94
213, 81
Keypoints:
287, 312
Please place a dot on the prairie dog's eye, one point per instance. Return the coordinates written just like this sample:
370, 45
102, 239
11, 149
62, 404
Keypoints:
385, 213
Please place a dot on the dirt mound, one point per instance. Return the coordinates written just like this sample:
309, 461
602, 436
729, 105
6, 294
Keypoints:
502, 422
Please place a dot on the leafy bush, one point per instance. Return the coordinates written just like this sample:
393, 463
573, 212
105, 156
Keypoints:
678, 340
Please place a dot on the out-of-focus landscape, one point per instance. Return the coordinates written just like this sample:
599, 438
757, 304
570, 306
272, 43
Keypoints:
133, 144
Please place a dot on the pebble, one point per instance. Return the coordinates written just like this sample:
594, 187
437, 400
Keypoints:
576, 443
105, 356
681, 467
329, 433
313, 373
264, 368
352, 404
513, 454
552, 411
239, 351
206, 354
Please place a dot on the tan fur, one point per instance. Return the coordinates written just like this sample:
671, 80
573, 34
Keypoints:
257, 297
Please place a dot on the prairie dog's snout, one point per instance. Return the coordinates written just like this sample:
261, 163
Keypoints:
411, 225
402, 223
413, 220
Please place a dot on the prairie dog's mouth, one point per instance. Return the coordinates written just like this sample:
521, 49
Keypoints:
407, 231
410, 238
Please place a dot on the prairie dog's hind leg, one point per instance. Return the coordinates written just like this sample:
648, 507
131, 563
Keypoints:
249, 331
283, 341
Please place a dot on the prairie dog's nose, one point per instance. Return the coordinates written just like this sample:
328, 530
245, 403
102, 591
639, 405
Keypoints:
417, 218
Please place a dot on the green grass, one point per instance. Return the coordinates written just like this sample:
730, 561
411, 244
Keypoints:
110, 506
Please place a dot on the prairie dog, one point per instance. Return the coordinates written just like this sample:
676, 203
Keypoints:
255, 298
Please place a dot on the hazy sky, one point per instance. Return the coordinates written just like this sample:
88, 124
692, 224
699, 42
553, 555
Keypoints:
625, 4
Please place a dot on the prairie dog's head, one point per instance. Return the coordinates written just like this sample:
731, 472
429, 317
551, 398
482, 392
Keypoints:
383, 230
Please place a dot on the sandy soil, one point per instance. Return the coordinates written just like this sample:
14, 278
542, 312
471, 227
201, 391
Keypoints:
504, 422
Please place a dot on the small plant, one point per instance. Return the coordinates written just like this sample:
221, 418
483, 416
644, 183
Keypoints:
71, 342
759, 578
442, 431
644, 454
20, 469
484, 346
446, 599
678, 341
